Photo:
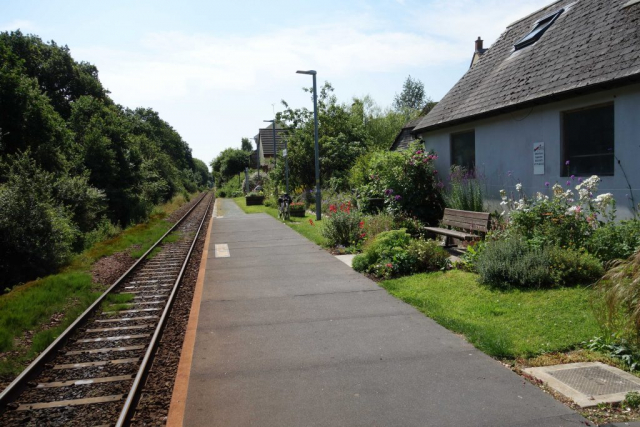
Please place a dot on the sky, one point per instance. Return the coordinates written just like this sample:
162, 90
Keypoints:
214, 70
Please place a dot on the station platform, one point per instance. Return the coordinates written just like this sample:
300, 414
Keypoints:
289, 336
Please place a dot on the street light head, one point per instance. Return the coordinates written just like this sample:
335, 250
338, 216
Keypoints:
270, 121
310, 72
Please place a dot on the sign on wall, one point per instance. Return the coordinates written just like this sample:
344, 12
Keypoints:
538, 158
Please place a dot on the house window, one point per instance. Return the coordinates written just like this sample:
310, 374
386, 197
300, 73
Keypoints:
588, 143
538, 30
463, 149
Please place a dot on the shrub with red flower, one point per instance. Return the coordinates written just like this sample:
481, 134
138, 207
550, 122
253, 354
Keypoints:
343, 225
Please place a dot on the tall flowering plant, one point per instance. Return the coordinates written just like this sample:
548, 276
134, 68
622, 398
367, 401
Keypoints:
565, 219
344, 225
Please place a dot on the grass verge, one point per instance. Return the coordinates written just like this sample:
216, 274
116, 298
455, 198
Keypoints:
506, 324
307, 226
34, 314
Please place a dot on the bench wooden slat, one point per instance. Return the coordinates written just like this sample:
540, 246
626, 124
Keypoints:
453, 233
471, 226
467, 214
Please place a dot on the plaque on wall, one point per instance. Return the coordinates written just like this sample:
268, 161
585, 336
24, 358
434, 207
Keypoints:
538, 158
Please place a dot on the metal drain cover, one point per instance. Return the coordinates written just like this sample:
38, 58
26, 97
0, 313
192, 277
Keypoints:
587, 384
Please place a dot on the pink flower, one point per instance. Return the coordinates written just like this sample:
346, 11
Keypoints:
390, 265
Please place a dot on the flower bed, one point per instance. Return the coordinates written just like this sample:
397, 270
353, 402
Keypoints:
297, 209
253, 199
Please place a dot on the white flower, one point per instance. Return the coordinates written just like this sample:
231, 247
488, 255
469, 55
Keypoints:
584, 194
503, 194
518, 187
589, 184
557, 190
604, 199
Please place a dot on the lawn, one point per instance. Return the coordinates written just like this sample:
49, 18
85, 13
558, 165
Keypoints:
307, 226
64, 296
506, 324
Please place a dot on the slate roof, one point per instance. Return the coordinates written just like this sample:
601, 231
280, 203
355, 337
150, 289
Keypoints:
593, 45
405, 137
265, 136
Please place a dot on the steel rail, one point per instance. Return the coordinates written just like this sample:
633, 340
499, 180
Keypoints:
16, 386
142, 371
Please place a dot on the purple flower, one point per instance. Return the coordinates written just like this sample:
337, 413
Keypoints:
568, 183
388, 191
397, 197
546, 184
579, 179
572, 176
566, 163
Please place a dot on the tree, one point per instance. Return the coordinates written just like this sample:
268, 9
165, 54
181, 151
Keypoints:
202, 172
246, 145
412, 96
342, 138
36, 232
229, 163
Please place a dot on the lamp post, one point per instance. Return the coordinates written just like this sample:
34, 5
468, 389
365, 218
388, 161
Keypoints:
286, 165
315, 120
273, 125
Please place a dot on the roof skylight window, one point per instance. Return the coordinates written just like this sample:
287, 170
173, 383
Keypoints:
538, 30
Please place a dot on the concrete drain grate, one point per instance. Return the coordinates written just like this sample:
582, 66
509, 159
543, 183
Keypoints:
587, 384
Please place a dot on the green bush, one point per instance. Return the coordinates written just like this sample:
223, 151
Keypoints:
428, 255
36, 232
413, 225
569, 267
270, 202
343, 225
408, 181
615, 240
513, 262
395, 253
230, 188
103, 231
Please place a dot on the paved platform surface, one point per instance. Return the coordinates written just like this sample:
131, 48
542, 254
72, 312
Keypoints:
288, 335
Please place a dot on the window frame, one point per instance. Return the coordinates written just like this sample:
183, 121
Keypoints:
528, 40
563, 132
452, 136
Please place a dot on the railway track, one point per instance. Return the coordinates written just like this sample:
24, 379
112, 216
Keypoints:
93, 373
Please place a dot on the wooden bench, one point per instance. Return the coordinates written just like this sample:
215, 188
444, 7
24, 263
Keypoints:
464, 220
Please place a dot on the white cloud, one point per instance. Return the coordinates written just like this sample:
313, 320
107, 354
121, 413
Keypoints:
200, 82
178, 62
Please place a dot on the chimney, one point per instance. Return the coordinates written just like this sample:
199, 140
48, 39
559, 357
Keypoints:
479, 48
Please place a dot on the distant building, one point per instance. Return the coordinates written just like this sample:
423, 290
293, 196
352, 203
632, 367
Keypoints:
264, 144
556, 96
405, 136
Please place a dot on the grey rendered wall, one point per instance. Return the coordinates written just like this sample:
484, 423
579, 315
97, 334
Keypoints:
504, 147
